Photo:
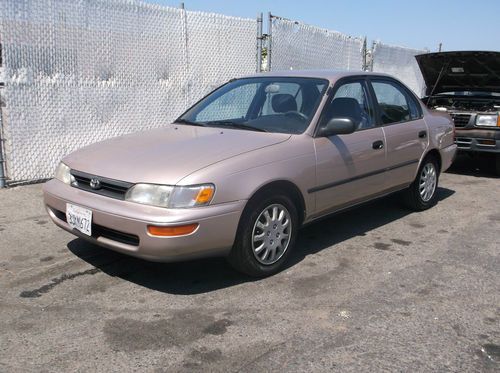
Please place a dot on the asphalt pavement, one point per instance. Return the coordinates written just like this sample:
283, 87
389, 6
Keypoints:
378, 288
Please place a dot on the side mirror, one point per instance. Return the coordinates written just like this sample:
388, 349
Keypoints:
338, 126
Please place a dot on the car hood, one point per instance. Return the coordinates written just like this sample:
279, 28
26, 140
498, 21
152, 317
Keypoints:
460, 71
168, 154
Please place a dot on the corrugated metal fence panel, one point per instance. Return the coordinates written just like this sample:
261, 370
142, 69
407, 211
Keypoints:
79, 72
399, 62
299, 46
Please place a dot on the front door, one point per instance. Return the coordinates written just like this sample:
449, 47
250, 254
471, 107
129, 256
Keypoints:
349, 168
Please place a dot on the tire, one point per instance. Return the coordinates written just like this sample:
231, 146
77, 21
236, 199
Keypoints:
278, 237
421, 194
497, 164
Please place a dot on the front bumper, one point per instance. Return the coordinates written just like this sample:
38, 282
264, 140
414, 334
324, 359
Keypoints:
122, 226
478, 140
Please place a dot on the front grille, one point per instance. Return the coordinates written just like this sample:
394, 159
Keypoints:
461, 120
126, 238
59, 214
100, 231
108, 187
463, 142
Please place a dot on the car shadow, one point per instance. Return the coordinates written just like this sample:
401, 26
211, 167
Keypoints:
206, 275
480, 165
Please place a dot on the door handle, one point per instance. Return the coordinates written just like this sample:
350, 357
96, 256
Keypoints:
422, 134
378, 144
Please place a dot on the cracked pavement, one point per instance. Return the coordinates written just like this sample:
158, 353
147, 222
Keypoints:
376, 288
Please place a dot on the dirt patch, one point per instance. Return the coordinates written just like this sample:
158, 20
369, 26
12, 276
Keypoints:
183, 328
401, 242
382, 246
35, 293
217, 328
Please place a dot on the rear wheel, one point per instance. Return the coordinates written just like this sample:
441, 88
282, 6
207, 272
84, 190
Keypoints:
421, 194
266, 235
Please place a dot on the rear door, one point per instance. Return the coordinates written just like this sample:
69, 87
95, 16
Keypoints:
350, 167
400, 117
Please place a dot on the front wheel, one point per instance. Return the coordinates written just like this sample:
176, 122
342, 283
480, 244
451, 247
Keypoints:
497, 164
421, 194
266, 236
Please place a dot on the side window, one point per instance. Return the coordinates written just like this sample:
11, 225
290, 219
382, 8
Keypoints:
351, 101
393, 103
415, 109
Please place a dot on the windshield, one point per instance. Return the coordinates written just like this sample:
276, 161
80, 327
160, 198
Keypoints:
267, 104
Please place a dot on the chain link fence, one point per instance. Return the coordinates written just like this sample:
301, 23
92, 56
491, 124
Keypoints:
297, 46
77, 72
399, 62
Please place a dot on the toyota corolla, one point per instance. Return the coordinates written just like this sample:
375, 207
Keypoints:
242, 170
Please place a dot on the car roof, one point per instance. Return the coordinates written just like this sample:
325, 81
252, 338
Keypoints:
331, 75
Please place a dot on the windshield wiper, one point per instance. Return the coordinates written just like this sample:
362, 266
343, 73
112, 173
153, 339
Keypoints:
229, 124
185, 121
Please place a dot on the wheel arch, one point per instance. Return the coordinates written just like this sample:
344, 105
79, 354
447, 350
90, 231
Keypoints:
283, 187
436, 155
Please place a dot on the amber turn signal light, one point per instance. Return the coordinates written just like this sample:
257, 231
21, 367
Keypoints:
204, 195
179, 230
487, 142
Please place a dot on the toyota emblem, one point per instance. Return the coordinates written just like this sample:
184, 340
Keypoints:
95, 184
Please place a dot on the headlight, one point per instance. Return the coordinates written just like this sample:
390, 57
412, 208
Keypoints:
63, 174
170, 196
487, 120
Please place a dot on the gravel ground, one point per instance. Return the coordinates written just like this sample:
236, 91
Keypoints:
378, 288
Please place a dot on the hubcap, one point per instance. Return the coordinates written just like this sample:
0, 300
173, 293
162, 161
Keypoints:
271, 234
427, 183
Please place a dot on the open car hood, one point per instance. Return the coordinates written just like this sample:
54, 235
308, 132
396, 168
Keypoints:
461, 71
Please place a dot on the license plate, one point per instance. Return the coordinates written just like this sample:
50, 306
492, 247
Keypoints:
79, 218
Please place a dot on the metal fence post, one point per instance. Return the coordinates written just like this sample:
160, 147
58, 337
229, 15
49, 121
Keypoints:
259, 42
372, 59
187, 100
3, 170
3, 179
269, 40
364, 52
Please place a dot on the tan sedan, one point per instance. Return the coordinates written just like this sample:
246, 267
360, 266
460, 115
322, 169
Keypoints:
242, 170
